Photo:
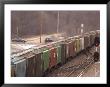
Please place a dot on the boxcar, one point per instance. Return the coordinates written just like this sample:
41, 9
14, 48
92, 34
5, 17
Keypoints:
63, 53
58, 54
52, 57
30, 65
93, 39
67, 49
20, 68
81, 43
77, 45
12, 70
38, 64
71, 49
92, 36
89, 40
45, 57
86, 41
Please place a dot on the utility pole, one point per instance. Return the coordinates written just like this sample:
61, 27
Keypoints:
82, 26
17, 32
57, 22
82, 35
41, 28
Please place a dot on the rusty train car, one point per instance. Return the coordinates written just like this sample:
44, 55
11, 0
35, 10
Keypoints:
38, 60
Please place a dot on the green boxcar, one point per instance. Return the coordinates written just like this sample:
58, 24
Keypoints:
58, 54
45, 57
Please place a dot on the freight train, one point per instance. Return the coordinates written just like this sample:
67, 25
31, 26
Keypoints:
36, 61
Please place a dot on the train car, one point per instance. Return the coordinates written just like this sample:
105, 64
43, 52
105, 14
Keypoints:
77, 44
52, 57
34, 63
67, 50
63, 53
74, 45
13, 70
30, 65
45, 57
58, 51
86, 41
97, 46
92, 37
81, 43
88, 35
69, 44
58, 54
72, 48
38, 64
18, 68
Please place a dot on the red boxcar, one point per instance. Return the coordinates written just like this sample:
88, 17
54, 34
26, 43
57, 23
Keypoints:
71, 49
53, 57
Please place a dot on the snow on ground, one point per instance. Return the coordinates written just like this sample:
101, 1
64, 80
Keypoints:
33, 41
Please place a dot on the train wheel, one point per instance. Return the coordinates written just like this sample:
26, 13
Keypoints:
96, 57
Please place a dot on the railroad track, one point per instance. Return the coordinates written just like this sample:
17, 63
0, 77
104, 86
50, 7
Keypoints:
78, 70
76, 67
82, 71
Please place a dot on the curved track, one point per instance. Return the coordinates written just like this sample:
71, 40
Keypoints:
77, 66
